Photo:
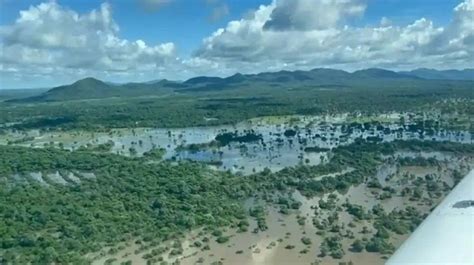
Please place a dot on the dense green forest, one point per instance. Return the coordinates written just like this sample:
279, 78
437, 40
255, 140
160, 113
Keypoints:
224, 105
131, 198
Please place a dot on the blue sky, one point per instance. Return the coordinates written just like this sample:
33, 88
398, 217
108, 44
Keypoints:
186, 24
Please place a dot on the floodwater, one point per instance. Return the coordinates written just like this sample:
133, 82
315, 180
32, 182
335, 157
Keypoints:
275, 151
270, 247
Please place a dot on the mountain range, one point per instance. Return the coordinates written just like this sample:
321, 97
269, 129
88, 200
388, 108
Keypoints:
91, 88
466, 74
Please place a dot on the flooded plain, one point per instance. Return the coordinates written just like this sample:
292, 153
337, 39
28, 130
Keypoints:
281, 243
291, 237
278, 143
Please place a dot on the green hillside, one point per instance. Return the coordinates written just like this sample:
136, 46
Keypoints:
320, 78
91, 88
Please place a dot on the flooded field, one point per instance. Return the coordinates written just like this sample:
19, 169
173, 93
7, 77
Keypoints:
295, 237
290, 227
278, 142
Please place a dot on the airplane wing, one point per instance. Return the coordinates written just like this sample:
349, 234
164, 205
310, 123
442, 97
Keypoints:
446, 236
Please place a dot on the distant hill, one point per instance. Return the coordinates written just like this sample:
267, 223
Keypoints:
466, 74
203, 80
324, 78
91, 88
382, 74
319, 77
85, 88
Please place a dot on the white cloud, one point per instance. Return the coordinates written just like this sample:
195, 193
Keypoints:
312, 33
50, 44
312, 14
49, 38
